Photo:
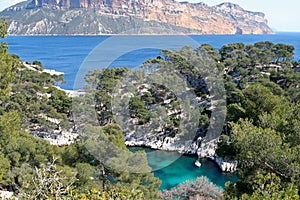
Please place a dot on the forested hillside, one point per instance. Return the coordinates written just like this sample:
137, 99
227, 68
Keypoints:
31, 167
261, 130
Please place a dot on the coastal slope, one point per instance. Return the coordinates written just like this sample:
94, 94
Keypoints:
97, 17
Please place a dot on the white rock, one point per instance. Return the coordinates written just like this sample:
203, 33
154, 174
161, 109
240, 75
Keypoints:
6, 194
226, 166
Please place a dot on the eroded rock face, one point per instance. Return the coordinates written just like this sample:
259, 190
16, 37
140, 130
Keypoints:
226, 165
166, 144
178, 17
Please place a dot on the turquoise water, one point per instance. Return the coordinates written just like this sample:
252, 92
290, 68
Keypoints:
183, 168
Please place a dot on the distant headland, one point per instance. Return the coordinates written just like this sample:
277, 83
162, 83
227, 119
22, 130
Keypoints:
148, 17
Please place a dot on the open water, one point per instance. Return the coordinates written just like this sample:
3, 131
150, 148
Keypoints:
67, 53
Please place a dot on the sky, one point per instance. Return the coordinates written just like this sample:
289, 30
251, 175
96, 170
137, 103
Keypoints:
283, 15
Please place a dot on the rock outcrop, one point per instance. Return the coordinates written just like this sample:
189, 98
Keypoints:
6, 194
94, 17
225, 165
167, 144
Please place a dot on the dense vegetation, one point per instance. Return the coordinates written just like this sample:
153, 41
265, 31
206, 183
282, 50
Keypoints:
261, 130
263, 120
31, 167
201, 188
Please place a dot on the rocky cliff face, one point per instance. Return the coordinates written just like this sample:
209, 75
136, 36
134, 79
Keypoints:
67, 17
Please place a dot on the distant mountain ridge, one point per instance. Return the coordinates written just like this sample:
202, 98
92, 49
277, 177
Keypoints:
96, 17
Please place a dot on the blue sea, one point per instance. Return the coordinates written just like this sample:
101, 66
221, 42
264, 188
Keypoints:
75, 55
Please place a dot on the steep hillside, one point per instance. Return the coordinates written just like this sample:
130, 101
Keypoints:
96, 17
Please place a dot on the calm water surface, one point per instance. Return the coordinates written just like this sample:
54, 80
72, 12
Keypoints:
67, 53
173, 173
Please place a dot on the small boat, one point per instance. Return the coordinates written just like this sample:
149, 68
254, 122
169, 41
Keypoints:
198, 163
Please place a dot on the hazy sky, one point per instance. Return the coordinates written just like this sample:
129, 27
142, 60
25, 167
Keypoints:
283, 15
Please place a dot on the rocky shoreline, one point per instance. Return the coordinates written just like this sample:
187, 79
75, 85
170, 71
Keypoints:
207, 150
197, 147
